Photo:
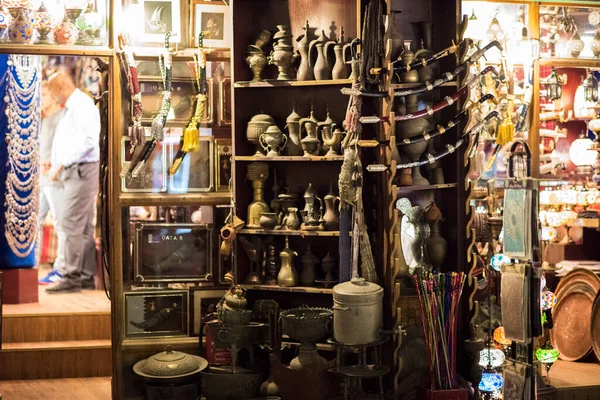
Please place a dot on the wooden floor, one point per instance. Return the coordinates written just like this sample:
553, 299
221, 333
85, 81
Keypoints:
92, 301
57, 389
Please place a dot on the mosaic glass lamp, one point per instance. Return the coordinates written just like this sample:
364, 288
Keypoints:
491, 356
547, 355
491, 383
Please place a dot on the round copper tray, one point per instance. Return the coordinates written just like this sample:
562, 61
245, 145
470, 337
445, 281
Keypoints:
578, 275
595, 328
571, 334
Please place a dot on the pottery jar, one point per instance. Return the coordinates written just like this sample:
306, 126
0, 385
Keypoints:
411, 76
268, 220
257, 126
66, 33
21, 27
357, 312
291, 221
332, 221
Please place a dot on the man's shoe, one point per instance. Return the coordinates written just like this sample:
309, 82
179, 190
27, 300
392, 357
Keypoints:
63, 286
53, 277
88, 284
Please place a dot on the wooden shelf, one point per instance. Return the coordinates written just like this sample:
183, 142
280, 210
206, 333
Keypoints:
269, 83
427, 187
287, 233
159, 199
415, 85
159, 343
294, 289
586, 223
53, 50
289, 158
571, 62
184, 54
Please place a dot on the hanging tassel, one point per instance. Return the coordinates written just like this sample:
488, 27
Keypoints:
191, 136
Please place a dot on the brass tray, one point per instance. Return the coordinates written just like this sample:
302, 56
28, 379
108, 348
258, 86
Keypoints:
571, 334
578, 275
595, 326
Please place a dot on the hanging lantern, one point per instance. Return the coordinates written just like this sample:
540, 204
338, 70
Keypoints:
554, 86
491, 383
590, 87
523, 51
581, 154
491, 356
495, 31
548, 300
500, 338
498, 260
547, 355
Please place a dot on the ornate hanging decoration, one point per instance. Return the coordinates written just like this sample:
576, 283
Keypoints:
22, 98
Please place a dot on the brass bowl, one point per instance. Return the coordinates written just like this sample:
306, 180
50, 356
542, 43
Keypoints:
307, 324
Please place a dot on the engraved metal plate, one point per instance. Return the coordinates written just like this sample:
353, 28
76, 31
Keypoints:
166, 252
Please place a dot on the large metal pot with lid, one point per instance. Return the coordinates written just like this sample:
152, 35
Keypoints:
357, 312
169, 365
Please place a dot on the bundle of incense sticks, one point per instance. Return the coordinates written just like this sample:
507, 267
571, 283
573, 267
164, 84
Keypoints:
439, 296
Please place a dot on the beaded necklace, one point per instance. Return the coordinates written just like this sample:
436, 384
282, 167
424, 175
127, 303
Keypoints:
23, 111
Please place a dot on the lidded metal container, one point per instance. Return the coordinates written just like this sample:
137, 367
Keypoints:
357, 312
170, 364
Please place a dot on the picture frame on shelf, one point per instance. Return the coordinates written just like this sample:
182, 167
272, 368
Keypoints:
158, 18
172, 252
153, 176
213, 17
223, 170
156, 313
196, 172
203, 301
224, 110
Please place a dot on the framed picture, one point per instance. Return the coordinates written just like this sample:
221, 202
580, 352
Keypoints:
224, 111
214, 18
152, 313
160, 17
196, 172
183, 101
203, 302
167, 252
224, 152
153, 176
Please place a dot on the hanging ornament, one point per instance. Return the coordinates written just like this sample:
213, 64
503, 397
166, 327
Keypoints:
495, 31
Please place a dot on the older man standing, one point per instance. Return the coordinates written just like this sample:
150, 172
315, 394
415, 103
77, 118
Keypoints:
75, 156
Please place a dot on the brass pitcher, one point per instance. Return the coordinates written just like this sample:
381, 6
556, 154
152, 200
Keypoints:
340, 68
322, 46
288, 276
294, 146
332, 220
305, 70
310, 143
258, 173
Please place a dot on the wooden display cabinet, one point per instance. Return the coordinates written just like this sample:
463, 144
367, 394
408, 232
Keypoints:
277, 99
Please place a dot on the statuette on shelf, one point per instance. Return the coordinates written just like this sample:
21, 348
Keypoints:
294, 146
322, 44
273, 141
414, 231
288, 276
305, 70
309, 261
436, 246
257, 59
258, 173
282, 55
271, 266
332, 220
340, 68
257, 126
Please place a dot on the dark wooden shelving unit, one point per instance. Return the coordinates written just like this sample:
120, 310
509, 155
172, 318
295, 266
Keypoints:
277, 98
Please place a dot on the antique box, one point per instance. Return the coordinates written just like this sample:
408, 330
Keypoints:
151, 313
165, 252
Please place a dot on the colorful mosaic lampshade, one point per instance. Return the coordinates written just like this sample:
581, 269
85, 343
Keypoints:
491, 356
498, 260
491, 383
500, 338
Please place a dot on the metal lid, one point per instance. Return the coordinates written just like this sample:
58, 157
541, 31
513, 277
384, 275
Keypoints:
262, 118
293, 117
358, 291
170, 364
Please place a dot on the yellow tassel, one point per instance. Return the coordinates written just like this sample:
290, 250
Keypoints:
191, 138
506, 133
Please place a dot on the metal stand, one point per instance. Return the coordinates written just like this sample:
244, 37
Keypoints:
353, 375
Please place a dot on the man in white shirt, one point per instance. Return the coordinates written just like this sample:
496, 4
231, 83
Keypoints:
49, 192
74, 159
